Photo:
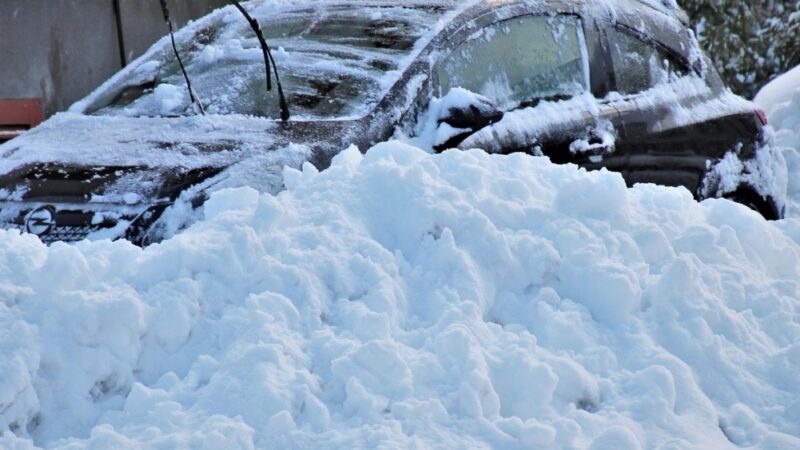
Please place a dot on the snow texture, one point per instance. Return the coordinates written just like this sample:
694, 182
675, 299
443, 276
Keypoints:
402, 299
781, 101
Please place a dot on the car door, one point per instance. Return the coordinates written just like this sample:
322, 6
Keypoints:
536, 68
668, 131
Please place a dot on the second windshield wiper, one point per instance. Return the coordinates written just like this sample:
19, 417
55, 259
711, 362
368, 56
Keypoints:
267, 59
264, 49
192, 96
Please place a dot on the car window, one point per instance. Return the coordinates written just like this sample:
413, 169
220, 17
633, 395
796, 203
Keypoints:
334, 62
520, 60
640, 65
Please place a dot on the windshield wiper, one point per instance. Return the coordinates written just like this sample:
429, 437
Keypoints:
267, 59
194, 99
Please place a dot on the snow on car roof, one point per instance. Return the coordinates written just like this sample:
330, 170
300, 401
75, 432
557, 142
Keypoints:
668, 7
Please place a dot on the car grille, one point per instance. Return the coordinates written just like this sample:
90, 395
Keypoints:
66, 225
59, 233
68, 234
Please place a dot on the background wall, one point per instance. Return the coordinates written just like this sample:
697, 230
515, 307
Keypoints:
60, 50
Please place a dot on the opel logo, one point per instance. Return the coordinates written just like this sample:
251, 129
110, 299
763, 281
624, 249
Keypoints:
41, 221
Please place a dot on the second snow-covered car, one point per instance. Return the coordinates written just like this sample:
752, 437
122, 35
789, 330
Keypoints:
619, 84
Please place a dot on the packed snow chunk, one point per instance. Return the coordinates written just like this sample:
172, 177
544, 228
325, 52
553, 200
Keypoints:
19, 401
167, 98
402, 299
616, 438
603, 195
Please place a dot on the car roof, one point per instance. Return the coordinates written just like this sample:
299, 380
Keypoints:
667, 7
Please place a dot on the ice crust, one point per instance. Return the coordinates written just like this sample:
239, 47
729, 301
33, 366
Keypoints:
402, 299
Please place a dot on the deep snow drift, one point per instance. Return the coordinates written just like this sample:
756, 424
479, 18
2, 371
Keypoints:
781, 101
403, 299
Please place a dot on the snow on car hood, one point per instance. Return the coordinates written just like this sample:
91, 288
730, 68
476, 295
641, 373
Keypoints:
80, 156
189, 142
407, 300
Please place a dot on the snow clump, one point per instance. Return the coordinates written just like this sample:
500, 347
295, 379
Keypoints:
402, 299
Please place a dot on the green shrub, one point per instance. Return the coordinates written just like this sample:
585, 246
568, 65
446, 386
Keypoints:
750, 42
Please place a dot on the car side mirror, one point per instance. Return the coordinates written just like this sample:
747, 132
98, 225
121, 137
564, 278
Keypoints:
462, 113
464, 109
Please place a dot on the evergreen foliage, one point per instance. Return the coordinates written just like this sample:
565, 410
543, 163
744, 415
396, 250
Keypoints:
750, 42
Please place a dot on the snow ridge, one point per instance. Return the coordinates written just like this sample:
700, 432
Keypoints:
402, 299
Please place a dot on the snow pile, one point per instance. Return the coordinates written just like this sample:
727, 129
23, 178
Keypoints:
781, 101
402, 299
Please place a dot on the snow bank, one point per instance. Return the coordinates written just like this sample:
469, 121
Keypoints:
781, 101
402, 299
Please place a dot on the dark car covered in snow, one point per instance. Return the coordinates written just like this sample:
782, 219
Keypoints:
618, 84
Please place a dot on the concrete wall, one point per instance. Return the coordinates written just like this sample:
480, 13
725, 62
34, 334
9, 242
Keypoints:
60, 50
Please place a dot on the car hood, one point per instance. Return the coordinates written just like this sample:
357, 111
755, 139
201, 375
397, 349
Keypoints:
191, 142
83, 173
74, 157
74, 184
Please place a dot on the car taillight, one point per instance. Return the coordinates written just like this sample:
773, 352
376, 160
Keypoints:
762, 116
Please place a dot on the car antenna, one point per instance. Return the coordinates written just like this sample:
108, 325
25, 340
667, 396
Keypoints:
267, 59
194, 99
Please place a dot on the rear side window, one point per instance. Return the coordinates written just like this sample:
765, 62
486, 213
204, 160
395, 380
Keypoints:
640, 65
520, 60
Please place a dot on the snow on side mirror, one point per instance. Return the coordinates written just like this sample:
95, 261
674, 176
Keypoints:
465, 109
462, 113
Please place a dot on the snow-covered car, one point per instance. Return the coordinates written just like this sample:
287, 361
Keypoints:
620, 84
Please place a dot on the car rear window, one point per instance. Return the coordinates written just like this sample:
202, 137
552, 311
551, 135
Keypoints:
334, 62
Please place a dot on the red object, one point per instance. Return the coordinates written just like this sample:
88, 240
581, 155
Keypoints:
762, 116
18, 116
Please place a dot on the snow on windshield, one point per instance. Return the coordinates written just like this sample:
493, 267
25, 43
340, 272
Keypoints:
519, 60
332, 61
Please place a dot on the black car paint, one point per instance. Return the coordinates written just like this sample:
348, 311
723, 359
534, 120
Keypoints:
678, 156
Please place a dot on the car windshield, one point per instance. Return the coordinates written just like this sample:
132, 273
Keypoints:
334, 62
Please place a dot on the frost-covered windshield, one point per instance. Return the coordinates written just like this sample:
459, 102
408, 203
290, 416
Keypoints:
333, 62
520, 60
